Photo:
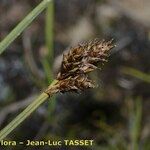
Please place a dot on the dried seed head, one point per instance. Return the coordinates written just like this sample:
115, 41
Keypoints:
77, 83
78, 62
84, 58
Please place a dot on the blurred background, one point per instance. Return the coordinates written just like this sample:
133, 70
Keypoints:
116, 113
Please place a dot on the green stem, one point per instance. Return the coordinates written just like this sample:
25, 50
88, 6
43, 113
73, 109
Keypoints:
22, 25
49, 26
47, 70
49, 39
48, 60
24, 114
136, 124
136, 73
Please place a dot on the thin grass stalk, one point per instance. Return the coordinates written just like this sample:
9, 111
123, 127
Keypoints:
49, 34
49, 38
136, 124
47, 60
137, 74
22, 25
24, 114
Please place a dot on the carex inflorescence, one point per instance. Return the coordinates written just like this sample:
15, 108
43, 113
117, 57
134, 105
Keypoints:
78, 62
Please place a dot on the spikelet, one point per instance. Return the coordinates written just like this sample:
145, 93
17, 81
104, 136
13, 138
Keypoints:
84, 58
76, 83
79, 61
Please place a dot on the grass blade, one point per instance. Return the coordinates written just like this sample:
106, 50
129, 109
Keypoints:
22, 25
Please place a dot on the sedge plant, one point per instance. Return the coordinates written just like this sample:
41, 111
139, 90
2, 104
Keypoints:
73, 76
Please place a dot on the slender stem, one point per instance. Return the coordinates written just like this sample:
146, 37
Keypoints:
49, 39
49, 26
22, 25
24, 114
138, 74
136, 125
48, 60
47, 70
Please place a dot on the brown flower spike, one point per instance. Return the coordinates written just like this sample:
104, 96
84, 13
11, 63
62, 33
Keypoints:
79, 61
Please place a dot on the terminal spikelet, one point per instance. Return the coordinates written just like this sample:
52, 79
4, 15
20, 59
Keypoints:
78, 62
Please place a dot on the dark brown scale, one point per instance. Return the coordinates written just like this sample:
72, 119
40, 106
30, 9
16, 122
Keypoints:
79, 61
